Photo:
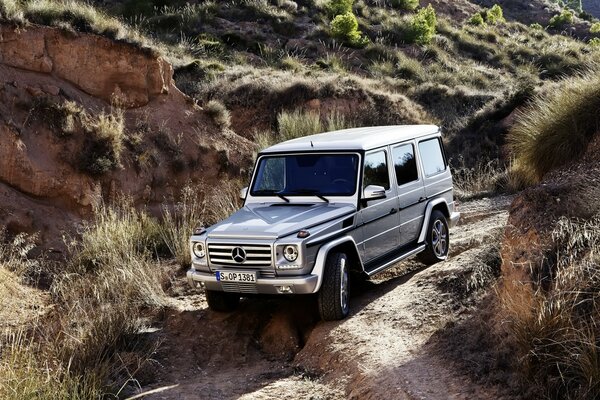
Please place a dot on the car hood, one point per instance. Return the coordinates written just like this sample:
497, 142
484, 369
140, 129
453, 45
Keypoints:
259, 221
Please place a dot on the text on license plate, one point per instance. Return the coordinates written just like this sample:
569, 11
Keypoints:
226, 276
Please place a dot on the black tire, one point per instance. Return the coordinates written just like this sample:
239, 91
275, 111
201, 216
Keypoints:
222, 301
334, 294
437, 239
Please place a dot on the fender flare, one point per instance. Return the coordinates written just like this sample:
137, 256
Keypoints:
428, 212
319, 267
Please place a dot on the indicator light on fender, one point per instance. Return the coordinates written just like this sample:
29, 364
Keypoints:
303, 234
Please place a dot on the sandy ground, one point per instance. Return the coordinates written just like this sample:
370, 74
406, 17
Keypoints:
277, 348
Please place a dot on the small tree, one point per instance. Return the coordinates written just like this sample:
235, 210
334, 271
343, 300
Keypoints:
338, 7
595, 28
477, 20
422, 26
345, 27
495, 15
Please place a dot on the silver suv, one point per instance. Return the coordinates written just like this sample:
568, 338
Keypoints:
323, 207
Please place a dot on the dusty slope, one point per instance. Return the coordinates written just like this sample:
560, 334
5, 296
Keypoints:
276, 348
54, 85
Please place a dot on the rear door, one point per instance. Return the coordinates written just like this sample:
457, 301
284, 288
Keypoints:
436, 173
379, 218
411, 193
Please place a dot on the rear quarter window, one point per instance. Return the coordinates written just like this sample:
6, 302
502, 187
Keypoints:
432, 156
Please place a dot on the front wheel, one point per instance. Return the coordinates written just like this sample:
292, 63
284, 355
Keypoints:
334, 293
437, 239
222, 301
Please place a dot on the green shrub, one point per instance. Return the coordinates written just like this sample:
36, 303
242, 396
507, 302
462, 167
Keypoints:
422, 26
494, 15
408, 5
594, 42
537, 27
345, 27
556, 128
559, 20
476, 20
595, 28
337, 7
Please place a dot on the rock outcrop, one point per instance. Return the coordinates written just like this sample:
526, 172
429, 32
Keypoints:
58, 90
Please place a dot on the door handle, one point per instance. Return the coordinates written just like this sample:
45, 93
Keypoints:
393, 211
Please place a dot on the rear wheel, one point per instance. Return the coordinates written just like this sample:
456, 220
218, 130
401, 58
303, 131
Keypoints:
437, 239
334, 293
222, 301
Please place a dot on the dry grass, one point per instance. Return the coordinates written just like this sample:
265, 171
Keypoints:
98, 297
219, 113
556, 128
482, 180
72, 14
179, 223
552, 319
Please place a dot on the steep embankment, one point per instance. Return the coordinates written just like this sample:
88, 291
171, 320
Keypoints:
84, 119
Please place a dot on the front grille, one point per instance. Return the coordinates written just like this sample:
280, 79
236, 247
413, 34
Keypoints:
258, 258
239, 287
257, 255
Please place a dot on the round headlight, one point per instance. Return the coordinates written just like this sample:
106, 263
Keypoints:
290, 253
199, 250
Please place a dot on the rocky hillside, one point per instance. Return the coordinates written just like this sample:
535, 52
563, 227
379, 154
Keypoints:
85, 119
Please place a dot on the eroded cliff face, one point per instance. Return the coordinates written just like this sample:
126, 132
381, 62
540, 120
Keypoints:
97, 65
55, 88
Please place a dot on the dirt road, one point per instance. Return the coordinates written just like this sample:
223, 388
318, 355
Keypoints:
277, 348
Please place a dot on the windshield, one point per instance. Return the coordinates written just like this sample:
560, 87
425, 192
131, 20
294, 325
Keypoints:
306, 174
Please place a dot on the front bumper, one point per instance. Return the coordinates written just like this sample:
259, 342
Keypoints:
297, 285
454, 217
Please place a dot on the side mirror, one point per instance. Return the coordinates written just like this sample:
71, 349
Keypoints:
373, 192
244, 193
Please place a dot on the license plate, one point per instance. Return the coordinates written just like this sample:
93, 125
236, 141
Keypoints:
227, 276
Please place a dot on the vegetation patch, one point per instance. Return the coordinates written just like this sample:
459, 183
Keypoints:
556, 128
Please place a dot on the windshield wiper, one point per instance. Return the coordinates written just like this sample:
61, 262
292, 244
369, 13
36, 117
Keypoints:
268, 192
312, 192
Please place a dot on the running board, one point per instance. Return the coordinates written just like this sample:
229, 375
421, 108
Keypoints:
401, 257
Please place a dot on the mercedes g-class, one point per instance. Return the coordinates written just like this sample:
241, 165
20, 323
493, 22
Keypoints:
321, 207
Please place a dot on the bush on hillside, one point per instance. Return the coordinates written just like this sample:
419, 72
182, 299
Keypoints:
562, 19
537, 27
594, 42
408, 5
494, 15
476, 20
422, 26
556, 128
345, 28
595, 28
338, 7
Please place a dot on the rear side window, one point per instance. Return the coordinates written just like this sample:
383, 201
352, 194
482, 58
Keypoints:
432, 156
376, 170
405, 164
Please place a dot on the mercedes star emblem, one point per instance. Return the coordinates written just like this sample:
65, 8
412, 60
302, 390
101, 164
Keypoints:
238, 254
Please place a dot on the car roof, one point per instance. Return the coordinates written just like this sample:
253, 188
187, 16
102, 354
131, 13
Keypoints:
354, 139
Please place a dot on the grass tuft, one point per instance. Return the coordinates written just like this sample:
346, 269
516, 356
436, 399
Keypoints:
556, 127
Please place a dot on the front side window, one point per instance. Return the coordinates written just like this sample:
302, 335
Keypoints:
376, 170
306, 174
405, 164
432, 156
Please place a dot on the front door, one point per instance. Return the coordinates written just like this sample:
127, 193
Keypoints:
379, 218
